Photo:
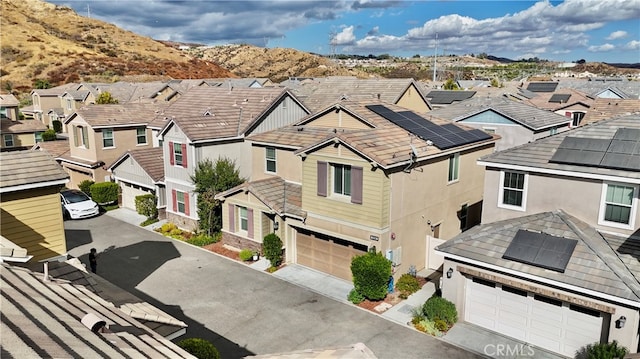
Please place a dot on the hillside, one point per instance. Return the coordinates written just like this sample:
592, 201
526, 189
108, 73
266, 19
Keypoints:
44, 41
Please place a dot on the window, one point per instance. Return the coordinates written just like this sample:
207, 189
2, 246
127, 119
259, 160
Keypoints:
3, 112
464, 215
141, 135
81, 137
512, 193
553, 131
244, 219
38, 136
454, 167
8, 140
617, 205
69, 104
341, 179
271, 159
177, 154
107, 138
180, 202
576, 118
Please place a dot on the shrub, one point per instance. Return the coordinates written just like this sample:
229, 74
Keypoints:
203, 239
57, 126
439, 308
176, 233
146, 205
371, 272
272, 249
85, 186
105, 192
602, 351
49, 135
428, 327
441, 325
407, 285
201, 348
355, 297
167, 227
246, 254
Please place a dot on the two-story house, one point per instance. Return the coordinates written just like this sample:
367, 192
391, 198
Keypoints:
357, 177
99, 134
211, 123
555, 262
43, 100
9, 106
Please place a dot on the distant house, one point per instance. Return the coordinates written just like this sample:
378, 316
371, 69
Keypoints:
44, 100
9, 107
566, 102
30, 183
604, 108
20, 134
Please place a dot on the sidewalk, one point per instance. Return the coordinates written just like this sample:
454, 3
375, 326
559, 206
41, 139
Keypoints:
132, 217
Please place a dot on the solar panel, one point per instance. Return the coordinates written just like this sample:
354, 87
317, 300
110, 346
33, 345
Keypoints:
442, 136
541, 250
627, 134
542, 86
560, 98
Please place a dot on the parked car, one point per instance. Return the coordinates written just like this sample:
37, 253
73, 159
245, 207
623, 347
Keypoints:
76, 204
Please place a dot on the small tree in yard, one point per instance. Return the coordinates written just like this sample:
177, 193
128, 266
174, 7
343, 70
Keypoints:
272, 249
105, 98
146, 205
371, 274
210, 179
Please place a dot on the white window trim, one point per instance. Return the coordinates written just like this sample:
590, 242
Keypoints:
332, 194
184, 203
146, 142
113, 138
634, 207
454, 157
4, 140
522, 208
244, 232
175, 160
267, 159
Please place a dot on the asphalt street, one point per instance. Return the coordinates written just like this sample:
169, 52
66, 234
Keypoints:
242, 311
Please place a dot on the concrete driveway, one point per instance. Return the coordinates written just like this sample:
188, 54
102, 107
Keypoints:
241, 310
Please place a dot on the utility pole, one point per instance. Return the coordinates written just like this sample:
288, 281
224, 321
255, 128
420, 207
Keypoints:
435, 57
88, 11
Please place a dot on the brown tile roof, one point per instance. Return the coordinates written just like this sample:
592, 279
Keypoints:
55, 148
117, 114
8, 100
21, 126
541, 100
205, 113
56, 91
44, 319
283, 197
604, 108
594, 265
150, 159
24, 168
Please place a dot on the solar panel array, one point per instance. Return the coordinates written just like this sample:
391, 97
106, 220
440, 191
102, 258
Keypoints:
542, 86
560, 98
442, 136
541, 250
620, 152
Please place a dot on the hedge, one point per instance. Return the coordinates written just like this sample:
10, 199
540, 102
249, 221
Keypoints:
201, 348
146, 205
105, 192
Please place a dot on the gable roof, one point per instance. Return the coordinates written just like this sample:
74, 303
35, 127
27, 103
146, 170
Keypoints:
55, 91
559, 99
207, 113
114, 115
447, 97
53, 319
8, 100
593, 87
537, 155
54, 148
29, 169
529, 116
593, 255
604, 108
149, 159
21, 126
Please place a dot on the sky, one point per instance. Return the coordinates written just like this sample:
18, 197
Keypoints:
570, 30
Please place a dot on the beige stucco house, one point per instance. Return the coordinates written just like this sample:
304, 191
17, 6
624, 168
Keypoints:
30, 183
9, 106
346, 180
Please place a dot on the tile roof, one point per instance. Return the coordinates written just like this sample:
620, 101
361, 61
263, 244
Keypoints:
28, 168
21, 126
49, 319
117, 114
593, 265
55, 148
8, 100
205, 113
447, 97
281, 196
538, 153
293, 136
527, 115
568, 96
604, 108
629, 89
150, 159
56, 91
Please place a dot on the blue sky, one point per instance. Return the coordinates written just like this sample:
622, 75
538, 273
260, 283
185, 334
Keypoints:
594, 30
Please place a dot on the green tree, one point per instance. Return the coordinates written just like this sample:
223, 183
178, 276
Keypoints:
146, 205
450, 85
371, 272
42, 84
272, 249
105, 98
49, 135
200, 348
209, 180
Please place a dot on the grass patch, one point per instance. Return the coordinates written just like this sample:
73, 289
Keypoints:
148, 222
110, 207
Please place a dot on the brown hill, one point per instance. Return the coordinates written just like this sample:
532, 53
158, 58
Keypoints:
44, 41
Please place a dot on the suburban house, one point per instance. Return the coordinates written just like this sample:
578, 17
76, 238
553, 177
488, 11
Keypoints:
100, 134
357, 177
319, 93
140, 172
516, 123
30, 183
9, 106
604, 87
566, 102
604, 108
212, 123
43, 317
555, 262
20, 134
44, 100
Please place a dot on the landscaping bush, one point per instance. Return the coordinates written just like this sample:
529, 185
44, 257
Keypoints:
602, 351
203, 239
438, 308
105, 192
245, 254
57, 126
85, 186
201, 348
272, 249
355, 297
428, 327
167, 228
49, 135
371, 272
146, 205
407, 285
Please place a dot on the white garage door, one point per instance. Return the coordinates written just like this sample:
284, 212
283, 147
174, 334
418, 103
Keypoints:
129, 193
541, 321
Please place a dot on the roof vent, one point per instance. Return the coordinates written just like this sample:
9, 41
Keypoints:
93, 322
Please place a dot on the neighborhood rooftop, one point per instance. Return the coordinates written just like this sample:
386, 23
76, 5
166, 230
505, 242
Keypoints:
29, 169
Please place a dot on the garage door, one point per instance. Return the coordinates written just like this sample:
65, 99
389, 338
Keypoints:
538, 320
327, 254
129, 193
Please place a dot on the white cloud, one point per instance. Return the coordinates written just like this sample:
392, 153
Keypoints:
632, 45
344, 37
617, 35
601, 48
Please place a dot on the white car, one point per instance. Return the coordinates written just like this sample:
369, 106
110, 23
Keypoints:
76, 204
